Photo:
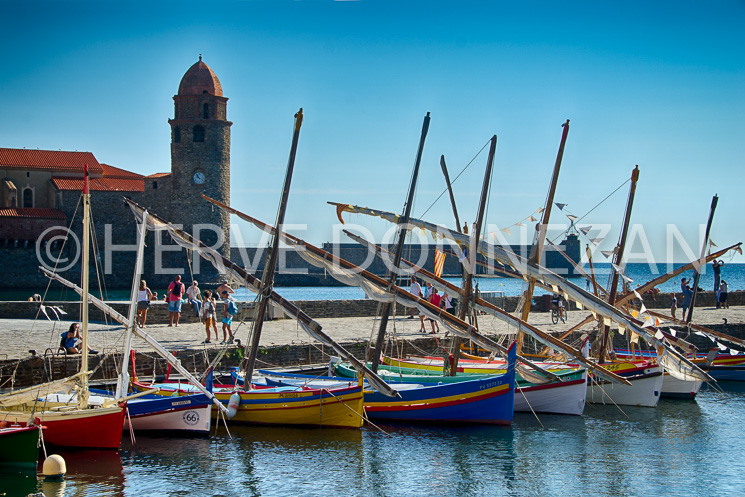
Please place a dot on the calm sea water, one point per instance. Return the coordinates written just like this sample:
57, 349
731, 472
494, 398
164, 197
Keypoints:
734, 274
681, 448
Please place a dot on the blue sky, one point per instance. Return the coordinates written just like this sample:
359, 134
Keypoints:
660, 85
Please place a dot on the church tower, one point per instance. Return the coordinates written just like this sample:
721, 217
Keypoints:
200, 158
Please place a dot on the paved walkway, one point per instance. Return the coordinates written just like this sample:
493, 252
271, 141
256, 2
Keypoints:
17, 337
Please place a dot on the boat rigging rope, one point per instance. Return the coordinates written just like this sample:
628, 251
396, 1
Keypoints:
455, 179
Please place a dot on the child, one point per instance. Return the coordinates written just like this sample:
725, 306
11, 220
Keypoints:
209, 315
227, 320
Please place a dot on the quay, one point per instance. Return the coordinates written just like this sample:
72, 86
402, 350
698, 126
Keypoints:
30, 346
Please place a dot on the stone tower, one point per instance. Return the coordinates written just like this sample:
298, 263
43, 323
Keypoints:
200, 159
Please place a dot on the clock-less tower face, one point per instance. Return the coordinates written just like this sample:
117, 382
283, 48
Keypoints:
200, 155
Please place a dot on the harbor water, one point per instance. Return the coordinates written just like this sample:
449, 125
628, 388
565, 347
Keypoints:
681, 448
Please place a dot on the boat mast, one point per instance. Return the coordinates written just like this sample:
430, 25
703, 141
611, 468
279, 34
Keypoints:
618, 258
403, 221
267, 279
702, 259
537, 250
85, 270
473, 251
450, 191
122, 383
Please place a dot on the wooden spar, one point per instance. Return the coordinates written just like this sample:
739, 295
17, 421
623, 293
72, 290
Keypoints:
672, 274
697, 273
473, 252
374, 356
444, 168
592, 271
504, 315
85, 276
267, 280
537, 249
618, 258
698, 327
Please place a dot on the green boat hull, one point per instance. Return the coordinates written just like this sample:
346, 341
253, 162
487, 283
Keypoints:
19, 448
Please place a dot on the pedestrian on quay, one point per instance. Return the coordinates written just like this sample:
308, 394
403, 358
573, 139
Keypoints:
416, 290
193, 296
687, 296
72, 342
434, 299
209, 315
723, 291
173, 295
227, 320
144, 296
447, 303
224, 287
674, 306
683, 283
717, 273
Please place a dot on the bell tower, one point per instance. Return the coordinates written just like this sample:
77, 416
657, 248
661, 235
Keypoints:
200, 159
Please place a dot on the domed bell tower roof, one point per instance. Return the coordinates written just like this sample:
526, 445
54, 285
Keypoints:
200, 79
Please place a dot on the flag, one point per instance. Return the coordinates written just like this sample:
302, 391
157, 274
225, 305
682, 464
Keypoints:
571, 218
439, 262
585, 229
560, 206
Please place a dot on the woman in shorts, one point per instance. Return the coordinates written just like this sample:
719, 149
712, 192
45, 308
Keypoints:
144, 296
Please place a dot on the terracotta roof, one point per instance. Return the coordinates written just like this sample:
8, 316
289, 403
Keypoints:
200, 79
158, 175
32, 212
48, 160
101, 184
115, 172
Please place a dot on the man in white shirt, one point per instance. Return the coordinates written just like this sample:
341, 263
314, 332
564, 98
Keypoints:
416, 290
193, 294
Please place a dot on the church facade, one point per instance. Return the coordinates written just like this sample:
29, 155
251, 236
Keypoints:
40, 192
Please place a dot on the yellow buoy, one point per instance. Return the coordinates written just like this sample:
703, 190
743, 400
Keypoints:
54, 466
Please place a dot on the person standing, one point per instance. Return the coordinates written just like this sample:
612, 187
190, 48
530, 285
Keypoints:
416, 290
683, 284
723, 290
224, 287
144, 296
193, 295
434, 299
717, 273
174, 293
674, 306
687, 295
227, 320
209, 315
447, 303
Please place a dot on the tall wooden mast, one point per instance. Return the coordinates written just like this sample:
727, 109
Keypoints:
473, 250
403, 221
702, 259
618, 258
536, 250
267, 279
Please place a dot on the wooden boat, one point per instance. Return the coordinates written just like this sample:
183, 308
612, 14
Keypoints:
70, 421
565, 396
19, 445
328, 407
644, 391
489, 400
722, 367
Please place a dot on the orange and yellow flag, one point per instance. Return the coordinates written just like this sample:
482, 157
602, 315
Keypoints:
439, 262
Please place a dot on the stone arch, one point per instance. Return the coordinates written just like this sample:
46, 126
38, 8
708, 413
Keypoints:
28, 197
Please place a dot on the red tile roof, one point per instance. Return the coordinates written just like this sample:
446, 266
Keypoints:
32, 212
101, 184
48, 160
115, 172
158, 175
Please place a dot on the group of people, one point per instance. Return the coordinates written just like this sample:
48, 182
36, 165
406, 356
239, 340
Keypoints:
204, 304
720, 287
430, 293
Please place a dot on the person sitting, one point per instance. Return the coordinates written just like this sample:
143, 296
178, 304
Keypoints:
72, 342
193, 294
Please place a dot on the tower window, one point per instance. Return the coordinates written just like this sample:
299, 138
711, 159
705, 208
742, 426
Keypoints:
28, 197
205, 111
176, 135
176, 112
198, 133
155, 185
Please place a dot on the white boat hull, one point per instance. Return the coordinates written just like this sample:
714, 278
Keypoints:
674, 388
196, 420
568, 398
644, 391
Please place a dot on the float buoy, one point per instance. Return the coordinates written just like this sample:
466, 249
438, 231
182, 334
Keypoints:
233, 403
54, 467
